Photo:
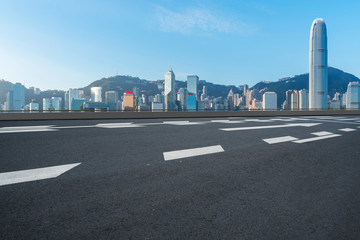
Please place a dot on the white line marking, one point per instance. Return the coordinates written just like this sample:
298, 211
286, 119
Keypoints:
323, 133
271, 126
192, 152
70, 127
21, 129
257, 120
347, 129
280, 139
226, 121
34, 174
316, 138
117, 125
183, 123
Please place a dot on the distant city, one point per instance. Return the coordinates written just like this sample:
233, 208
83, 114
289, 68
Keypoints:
192, 98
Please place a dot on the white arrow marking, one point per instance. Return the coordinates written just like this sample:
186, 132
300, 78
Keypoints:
271, 126
192, 152
34, 174
46, 128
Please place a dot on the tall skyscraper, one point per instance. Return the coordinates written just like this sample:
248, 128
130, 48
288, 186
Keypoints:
181, 98
170, 91
269, 101
230, 98
192, 89
72, 94
318, 64
294, 101
96, 94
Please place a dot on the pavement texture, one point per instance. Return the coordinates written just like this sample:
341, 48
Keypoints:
124, 188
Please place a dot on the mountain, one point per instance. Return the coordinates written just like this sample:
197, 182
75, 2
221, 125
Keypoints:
338, 81
151, 88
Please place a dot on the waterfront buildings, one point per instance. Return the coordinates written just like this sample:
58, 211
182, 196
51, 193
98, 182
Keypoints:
353, 96
269, 101
96, 94
15, 99
170, 91
192, 92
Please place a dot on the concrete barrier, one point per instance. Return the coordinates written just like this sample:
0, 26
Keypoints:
154, 115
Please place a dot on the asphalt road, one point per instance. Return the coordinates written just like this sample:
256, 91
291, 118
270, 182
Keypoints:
298, 179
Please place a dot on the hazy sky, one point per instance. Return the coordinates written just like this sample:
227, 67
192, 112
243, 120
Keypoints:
58, 44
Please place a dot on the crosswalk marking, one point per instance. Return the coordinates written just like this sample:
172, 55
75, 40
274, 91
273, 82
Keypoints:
34, 174
279, 139
172, 155
271, 126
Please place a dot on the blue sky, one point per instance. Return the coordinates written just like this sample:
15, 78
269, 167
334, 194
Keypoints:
60, 44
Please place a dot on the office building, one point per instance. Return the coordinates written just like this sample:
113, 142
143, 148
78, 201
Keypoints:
230, 98
318, 64
303, 99
96, 94
192, 92
15, 99
181, 98
269, 101
129, 101
352, 96
70, 95
111, 96
294, 101
52, 104
170, 91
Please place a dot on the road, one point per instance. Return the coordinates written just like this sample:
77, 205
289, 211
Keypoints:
221, 178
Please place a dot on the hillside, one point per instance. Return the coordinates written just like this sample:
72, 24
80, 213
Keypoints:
338, 81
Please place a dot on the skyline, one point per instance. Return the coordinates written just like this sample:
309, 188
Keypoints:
76, 44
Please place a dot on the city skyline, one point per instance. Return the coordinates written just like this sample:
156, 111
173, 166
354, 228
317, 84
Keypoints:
57, 47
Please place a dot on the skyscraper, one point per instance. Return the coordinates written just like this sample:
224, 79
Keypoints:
129, 101
318, 64
15, 99
192, 89
96, 94
303, 99
111, 96
170, 91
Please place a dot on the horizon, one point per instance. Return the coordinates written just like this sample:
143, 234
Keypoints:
61, 45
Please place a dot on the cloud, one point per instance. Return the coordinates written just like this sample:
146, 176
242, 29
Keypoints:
194, 20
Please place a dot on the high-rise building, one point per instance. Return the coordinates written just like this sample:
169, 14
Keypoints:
303, 99
192, 92
353, 96
318, 64
33, 106
96, 94
230, 98
111, 96
15, 99
249, 97
287, 105
294, 101
73, 94
129, 101
52, 104
245, 88
170, 91
269, 101
181, 98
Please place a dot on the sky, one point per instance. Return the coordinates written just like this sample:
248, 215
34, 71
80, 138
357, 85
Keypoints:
61, 44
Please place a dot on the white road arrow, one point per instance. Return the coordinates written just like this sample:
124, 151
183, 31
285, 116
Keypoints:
34, 174
271, 126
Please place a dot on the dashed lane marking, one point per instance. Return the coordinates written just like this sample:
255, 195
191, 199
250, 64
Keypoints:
347, 129
117, 125
316, 138
34, 174
280, 139
323, 133
271, 126
192, 152
23, 129
182, 123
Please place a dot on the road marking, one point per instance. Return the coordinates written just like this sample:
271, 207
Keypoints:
271, 126
316, 138
34, 174
70, 127
323, 133
182, 123
192, 152
279, 139
347, 129
47, 128
226, 121
258, 120
117, 125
